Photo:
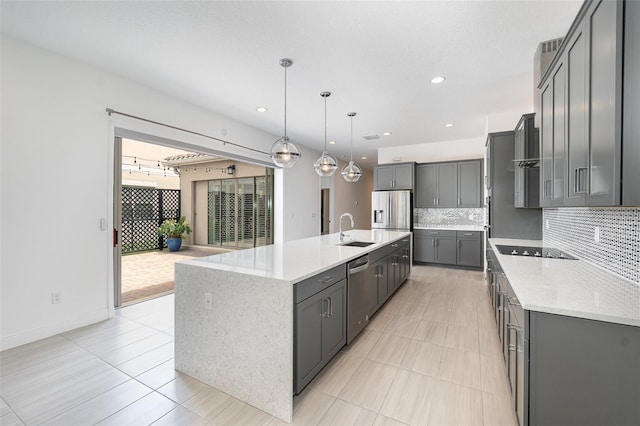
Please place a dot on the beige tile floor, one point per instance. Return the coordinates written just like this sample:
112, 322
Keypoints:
429, 357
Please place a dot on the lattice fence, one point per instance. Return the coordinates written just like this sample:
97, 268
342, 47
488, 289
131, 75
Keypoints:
143, 210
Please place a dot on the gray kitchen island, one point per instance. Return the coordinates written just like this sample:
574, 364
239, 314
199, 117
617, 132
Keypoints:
235, 313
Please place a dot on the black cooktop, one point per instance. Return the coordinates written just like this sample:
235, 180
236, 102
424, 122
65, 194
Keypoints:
532, 251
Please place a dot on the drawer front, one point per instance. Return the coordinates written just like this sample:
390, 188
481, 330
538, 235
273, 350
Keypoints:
307, 288
435, 232
469, 234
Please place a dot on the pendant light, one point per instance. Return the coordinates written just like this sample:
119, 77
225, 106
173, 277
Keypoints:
325, 165
284, 153
351, 172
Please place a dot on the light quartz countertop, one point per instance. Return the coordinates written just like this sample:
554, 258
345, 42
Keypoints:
453, 227
297, 260
574, 288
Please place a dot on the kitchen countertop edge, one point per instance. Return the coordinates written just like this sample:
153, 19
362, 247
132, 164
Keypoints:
326, 244
548, 285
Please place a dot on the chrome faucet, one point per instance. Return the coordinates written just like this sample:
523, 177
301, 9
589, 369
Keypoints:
353, 224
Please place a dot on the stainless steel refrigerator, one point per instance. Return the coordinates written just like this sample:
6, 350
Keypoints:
392, 210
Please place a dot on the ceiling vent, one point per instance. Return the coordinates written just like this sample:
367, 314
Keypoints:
371, 137
543, 57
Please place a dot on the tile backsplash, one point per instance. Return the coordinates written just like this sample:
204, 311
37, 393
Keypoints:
440, 218
573, 229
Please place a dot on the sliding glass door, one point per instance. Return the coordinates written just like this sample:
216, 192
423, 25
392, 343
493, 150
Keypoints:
240, 212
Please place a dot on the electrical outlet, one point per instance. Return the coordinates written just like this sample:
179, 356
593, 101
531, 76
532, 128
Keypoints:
596, 234
208, 301
56, 297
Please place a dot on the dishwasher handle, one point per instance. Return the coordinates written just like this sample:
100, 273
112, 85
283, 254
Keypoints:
359, 265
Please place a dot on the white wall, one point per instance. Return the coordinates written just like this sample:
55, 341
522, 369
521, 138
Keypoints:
354, 198
462, 149
54, 130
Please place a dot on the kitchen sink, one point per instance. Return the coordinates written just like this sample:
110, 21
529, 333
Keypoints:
357, 244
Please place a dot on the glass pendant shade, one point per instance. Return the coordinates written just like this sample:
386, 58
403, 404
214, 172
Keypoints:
325, 165
284, 153
351, 172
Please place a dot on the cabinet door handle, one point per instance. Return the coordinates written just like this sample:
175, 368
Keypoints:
547, 188
326, 279
514, 327
330, 307
437, 201
325, 308
468, 234
582, 187
459, 201
433, 242
394, 245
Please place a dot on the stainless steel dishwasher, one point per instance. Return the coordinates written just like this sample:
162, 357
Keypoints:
357, 296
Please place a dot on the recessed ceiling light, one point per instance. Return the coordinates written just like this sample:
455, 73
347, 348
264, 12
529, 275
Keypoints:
449, 125
332, 142
261, 109
437, 80
363, 158
386, 134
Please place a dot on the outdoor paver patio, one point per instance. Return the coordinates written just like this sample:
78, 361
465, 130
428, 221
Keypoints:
150, 274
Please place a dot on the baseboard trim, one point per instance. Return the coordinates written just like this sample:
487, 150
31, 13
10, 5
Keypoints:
34, 334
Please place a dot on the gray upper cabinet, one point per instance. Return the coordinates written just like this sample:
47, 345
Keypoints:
426, 189
546, 146
577, 144
394, 177
631, 124
447, 185
450, 184
582, 111
526, 174
470, 183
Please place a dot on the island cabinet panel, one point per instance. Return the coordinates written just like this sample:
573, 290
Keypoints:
320, 325
381, 273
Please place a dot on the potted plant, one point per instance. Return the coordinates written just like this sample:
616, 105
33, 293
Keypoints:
174, 231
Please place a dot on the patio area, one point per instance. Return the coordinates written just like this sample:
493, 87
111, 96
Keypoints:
150, 274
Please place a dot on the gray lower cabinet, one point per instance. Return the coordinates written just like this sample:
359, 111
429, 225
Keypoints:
582, 372
469, 248
320, 330
563, 370
448, 247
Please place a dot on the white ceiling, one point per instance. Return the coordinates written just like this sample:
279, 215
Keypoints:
376, 57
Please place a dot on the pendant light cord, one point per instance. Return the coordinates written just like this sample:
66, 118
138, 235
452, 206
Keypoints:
325, 124
285, 104
352, 138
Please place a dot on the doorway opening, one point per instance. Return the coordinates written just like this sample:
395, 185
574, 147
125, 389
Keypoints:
155, 182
